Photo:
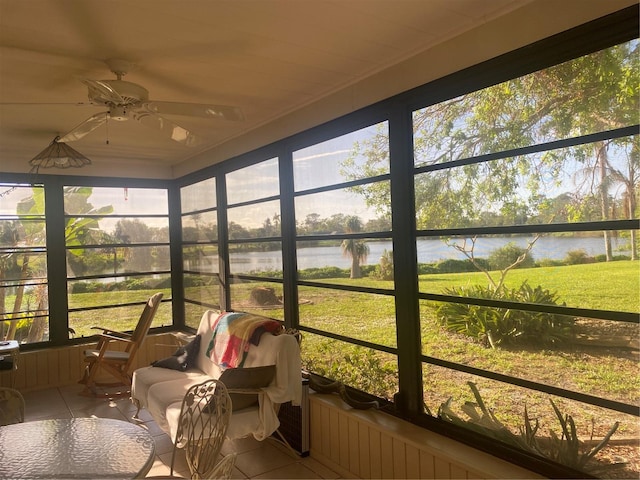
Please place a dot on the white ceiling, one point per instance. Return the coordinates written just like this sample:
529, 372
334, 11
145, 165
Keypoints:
271, 58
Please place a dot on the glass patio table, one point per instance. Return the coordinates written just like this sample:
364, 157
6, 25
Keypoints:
75, 448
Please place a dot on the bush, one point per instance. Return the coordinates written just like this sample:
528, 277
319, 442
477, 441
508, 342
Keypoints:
577, 257
384, 270
451, 265
503, 326
507, 255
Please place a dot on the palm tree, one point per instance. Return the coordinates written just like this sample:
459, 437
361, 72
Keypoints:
358, 250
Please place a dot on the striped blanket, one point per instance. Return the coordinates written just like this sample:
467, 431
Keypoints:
234, 333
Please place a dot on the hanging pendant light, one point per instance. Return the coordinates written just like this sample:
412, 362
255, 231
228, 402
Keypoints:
59, 155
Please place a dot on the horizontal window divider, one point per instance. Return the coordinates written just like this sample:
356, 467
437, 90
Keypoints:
117, 245
25, 218
196, 243
339, 186
254, 240
118, 305
242, 276
116, 215
119, 274
353, 341
205, 274
629, 317
345, 236
254, 202
23, 315
22, 250
540, 147
197, 212
210, 306
599, 226
348, 288
27, 282
540, 387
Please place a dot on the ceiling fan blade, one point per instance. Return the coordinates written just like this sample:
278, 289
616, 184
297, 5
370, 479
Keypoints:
168, 128
86, 127
98, 88
223, 112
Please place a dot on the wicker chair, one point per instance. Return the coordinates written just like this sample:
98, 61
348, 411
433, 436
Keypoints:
204, 418
12, 406
224, 468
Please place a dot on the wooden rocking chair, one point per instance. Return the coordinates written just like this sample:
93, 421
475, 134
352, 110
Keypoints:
117, 363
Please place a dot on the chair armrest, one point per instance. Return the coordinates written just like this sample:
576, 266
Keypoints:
112, 332
246, 391
114, 337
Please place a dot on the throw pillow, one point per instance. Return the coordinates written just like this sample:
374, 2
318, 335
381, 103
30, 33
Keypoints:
183, 359
248, 377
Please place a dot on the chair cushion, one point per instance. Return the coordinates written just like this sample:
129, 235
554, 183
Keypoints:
183, 359
251, 378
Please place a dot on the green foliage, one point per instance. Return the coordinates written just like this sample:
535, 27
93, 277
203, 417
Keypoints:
384, 269
503, 326
507, 255
565, 448
451, 265
355, 366
577, 257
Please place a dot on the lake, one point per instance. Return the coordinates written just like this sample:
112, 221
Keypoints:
429, 251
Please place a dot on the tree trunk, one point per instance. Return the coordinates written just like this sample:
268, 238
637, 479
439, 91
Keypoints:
604, 196
17, 304
355, 266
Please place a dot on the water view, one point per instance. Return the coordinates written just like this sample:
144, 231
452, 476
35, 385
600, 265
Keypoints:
429, 251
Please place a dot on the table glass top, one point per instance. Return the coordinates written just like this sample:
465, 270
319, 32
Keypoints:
75, 448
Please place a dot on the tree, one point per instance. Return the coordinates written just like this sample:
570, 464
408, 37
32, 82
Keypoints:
357, 250
594, 93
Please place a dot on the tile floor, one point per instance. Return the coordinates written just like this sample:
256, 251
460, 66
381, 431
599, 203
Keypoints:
266, 460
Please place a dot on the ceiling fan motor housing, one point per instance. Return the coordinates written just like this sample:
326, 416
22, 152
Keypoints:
131, 93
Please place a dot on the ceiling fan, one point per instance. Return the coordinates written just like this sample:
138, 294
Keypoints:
127, 100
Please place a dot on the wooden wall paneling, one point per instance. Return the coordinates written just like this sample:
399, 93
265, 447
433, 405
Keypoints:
427, 465
334, 433
364, 453
53, 366
399, 459
413, 461
326, 431
30, 368
386, 454
354, 446
442, 468
375, 452
458, 472
344, 440
315, 419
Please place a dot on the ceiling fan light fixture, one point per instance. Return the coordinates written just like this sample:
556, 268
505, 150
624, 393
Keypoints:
59, 155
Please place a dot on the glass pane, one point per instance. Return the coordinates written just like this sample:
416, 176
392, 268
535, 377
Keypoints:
21, 200
107, 230
198, 196
572, 270
358, 367
254, 182
201, 258
561, 186
449, 394
580, 354
342, 261
255, 221
24, 310
23, 266
347, 210
117, 260
114, 291
115, 200
193, 314
256, 258
204, 289
200, 227
342, 159
546, 105
22, 232
120, 319
260, 297
364, 316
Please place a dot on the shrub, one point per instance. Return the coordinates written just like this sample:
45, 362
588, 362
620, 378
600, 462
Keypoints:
504, 326
451, 265
384, 270
507, 255
577, 257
